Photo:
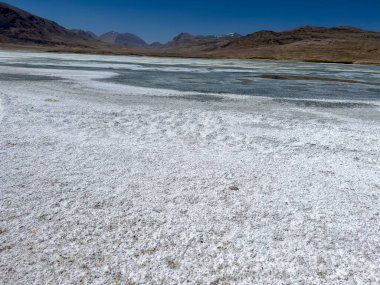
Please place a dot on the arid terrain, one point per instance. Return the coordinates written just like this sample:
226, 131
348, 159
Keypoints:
21, 30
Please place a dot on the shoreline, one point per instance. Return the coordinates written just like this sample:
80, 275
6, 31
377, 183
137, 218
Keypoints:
173, 54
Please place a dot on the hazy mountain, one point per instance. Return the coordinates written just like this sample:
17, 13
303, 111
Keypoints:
86, 34
20, 27
156, 45
123, 39
186, 41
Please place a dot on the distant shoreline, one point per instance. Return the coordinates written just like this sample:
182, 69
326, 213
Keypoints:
155, 53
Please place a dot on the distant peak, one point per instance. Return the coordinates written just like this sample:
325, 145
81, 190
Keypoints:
123, 39
348, 28
309, 28
183, 36
229, 35
111, 33
233, 35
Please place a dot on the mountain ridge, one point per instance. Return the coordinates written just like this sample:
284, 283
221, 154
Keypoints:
19, 26
21, 29
128, 40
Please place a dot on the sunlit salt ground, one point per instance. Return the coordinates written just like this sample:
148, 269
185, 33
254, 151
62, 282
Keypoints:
119, 170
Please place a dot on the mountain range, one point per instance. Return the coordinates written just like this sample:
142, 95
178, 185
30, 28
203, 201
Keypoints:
21, 29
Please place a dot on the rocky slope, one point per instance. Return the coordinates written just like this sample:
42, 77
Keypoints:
86, 34
266, 38
123, 39
338, 44
20, 27
188, 42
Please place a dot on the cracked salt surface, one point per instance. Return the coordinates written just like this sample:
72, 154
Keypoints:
105, 183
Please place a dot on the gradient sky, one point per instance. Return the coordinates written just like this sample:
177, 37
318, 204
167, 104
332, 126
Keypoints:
162, 20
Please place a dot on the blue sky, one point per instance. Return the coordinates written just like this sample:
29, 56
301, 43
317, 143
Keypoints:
162, 20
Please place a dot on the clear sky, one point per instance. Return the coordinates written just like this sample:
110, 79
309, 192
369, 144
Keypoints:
156, 20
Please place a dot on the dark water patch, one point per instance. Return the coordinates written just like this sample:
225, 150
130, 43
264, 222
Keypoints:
55, 67
197, 98
374, 90
245, 81
213, 82
237, 83
313, 78
26, 77
202, 98
329, 62
323, 104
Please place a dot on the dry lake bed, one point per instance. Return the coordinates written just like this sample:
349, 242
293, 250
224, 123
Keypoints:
137, 170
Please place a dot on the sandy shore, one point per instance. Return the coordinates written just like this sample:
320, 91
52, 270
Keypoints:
103, 183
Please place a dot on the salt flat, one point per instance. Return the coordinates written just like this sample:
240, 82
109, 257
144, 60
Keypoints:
119, 170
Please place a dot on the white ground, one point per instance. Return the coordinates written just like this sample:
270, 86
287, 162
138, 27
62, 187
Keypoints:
102, 184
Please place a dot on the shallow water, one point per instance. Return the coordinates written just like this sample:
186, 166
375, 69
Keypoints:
215, 76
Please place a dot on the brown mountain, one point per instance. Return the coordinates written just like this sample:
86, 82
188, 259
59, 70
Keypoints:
125, 40
266, 38
338, 44
191, 43
86, 34
20, 27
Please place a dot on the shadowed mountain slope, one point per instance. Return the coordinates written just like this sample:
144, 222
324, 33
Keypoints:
20, 27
